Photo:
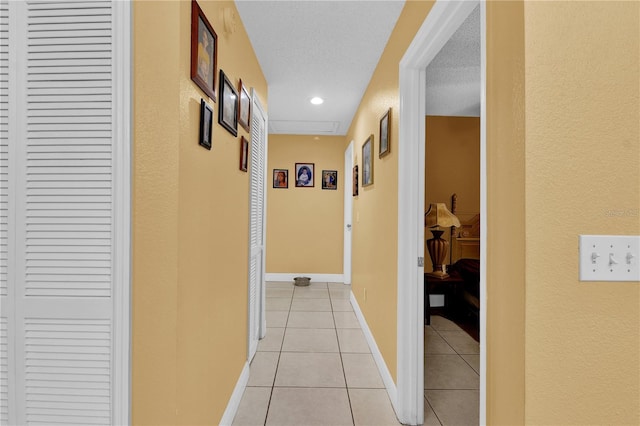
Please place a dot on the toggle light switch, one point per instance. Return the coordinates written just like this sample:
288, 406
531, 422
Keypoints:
621, 264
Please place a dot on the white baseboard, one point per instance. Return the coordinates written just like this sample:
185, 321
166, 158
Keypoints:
377, 355
236, 396
321, 278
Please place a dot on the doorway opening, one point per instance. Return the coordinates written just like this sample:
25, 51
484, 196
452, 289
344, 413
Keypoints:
442, 22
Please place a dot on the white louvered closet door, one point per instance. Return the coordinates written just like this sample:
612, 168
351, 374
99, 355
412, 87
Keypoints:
257, 221
67, 255
5, 313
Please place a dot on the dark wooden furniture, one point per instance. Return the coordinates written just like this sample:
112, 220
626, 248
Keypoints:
447, 286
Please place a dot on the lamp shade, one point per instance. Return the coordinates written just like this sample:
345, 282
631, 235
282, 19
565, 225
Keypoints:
439, 215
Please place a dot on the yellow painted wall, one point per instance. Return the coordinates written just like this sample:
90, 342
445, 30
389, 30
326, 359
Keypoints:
582, 163
505, 237
375, 210
304, 225
452, 165
190, 224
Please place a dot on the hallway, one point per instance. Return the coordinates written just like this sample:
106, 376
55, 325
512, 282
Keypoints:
314, 367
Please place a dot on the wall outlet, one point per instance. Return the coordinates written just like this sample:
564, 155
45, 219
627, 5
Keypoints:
609, 258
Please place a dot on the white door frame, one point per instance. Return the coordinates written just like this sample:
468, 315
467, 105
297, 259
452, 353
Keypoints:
443, 20
348, 213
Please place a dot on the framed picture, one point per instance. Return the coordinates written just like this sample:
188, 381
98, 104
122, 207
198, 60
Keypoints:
355, 181
280, 178
329, 179
206, 124
228, 110
204, 52
367, 162
304, 174
244, 113
244, 153
385, 143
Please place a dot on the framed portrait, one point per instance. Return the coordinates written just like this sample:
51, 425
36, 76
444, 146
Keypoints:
244, 153
244, 112
355, 181
304, 175
280, 178
204, 52
228, 109
206, 124
329, 179
367, 162
385, 143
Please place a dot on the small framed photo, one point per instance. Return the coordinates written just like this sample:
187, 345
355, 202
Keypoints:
204, 52
329, 179
244, 112
206, 124
280, 178
355, 181
385, 142
244, 153
367, 162
305, 174
228, 110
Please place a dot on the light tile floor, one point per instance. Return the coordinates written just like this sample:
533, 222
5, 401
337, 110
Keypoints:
451, 374
314, 367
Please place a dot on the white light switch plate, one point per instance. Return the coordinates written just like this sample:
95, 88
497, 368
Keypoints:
609, 258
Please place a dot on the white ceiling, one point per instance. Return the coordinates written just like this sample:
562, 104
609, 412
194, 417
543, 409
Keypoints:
453, 76
317, 48
330, 49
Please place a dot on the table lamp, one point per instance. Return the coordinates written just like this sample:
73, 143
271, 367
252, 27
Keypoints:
438, 216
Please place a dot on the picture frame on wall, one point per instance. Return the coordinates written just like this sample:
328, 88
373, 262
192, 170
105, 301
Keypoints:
244, 107
355, 181
367, 162
206, 124
244, 154
385, 142
204, 52
228, 110
330, 179
281, 178
305, 174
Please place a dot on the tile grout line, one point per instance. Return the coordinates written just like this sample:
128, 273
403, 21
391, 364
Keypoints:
344, 374
432, 410
454, 349
273, 385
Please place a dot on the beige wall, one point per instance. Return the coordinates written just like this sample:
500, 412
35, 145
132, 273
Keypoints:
375, 210
582, 161
304, 225
452, 165
505, 237
190, 224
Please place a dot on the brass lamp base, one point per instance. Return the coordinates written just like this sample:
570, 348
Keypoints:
438, 249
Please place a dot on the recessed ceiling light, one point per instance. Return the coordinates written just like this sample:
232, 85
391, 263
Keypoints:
317, 100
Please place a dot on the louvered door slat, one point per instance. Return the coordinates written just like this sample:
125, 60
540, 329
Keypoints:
4, 212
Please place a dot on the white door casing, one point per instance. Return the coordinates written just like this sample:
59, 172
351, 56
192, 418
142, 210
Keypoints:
257, 220
443, 20
66, 212
348, 212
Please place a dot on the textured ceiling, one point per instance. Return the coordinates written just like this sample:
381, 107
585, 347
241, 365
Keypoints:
453, 77
317, 48
330, 49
